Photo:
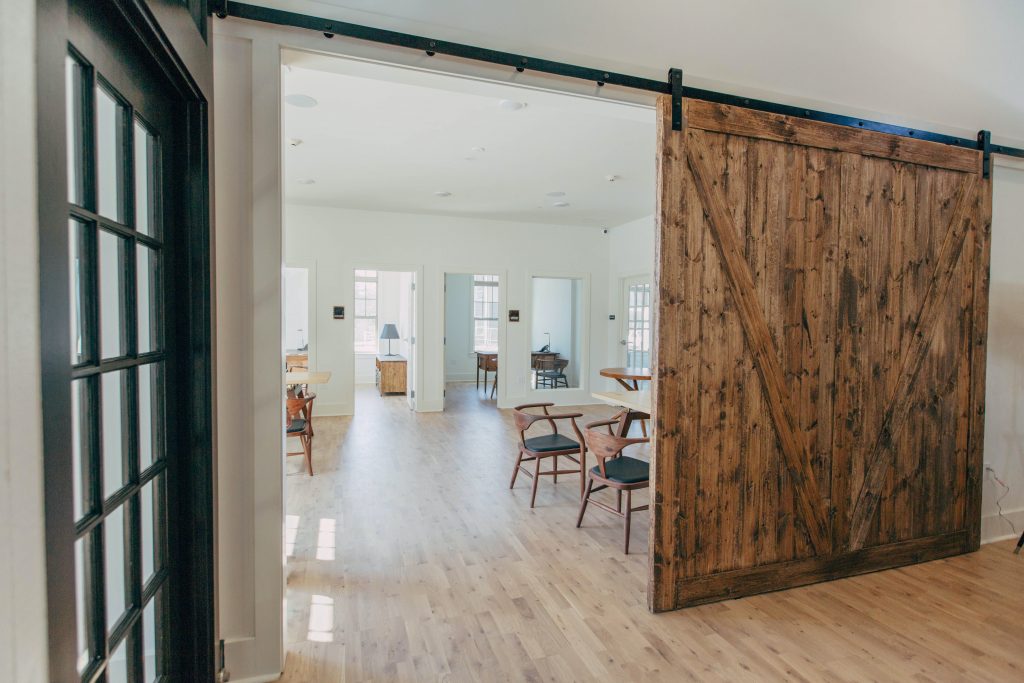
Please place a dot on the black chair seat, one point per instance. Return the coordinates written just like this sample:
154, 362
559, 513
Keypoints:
625, 470
297, 425
551, 442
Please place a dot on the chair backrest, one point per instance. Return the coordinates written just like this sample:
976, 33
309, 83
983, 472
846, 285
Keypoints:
606, 445
525, 420
295, 406
544, 363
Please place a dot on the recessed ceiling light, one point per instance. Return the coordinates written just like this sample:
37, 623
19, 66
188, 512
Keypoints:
556, 193
299, 100
294, 142
478, 149
442, 193
611, 178
561, 205
305, 181
511, 105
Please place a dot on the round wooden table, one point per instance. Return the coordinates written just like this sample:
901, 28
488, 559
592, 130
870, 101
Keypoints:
629, 378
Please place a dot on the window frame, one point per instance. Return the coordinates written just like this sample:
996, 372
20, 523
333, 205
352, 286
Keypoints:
359, 275
493, 283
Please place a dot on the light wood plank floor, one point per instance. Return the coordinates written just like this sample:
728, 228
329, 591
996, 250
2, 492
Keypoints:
410, 560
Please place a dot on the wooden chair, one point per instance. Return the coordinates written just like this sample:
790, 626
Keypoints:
299, 426
551, 372
551, 445
482, 361
491, 365
614, 471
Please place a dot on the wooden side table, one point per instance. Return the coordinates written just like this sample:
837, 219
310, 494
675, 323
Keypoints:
391, 374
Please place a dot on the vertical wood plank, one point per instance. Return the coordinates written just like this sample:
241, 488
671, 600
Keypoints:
899, 405
759, 341
982, 245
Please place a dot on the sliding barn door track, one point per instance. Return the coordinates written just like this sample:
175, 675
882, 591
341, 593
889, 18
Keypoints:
673, 85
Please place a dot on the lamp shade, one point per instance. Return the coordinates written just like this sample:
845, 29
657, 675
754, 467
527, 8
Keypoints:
389, 331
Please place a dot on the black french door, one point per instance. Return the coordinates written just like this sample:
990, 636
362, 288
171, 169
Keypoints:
139, 423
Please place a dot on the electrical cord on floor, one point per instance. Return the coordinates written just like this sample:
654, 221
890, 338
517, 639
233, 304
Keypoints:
999, 500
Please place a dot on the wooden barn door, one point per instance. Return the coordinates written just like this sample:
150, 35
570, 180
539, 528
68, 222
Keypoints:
820, 353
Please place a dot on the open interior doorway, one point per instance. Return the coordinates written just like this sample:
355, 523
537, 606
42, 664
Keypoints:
473, 333
492, 266
384, 323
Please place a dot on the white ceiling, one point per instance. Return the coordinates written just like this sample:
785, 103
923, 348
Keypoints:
952, 66
387, 138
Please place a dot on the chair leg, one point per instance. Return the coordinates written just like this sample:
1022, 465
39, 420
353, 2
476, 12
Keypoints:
536, 478
515, 470
618, 500
555, 475
583, 503
629, 512
643, 427
583, 469
308, 447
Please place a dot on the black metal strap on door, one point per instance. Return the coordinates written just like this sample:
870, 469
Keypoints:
672, 86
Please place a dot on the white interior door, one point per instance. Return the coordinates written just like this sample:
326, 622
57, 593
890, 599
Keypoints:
636, 322
410, 378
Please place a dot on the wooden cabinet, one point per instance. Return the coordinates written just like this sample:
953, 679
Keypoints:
391, 373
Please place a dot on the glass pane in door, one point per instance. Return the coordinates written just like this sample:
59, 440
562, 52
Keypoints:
110, 155
113, 294
113, 388
638, 324
114, 555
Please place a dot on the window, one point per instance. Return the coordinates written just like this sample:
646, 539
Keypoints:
485, 313
366, 311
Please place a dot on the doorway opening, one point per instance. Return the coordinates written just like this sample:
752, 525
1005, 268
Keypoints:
473, 334
493, 268
384, 344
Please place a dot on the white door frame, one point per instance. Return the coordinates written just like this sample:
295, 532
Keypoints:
578, 395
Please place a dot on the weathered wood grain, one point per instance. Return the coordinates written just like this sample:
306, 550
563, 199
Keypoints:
820, 334
899, 405
722, 118
758, 337
974, 465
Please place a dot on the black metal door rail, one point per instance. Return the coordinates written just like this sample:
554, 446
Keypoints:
672, 86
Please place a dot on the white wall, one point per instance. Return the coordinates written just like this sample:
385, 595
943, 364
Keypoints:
340, 240
23, 653
1004, 377
459, 359
631, 254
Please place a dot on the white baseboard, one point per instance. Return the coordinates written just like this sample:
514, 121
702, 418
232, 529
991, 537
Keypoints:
332, 410
995, 528
258, 679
